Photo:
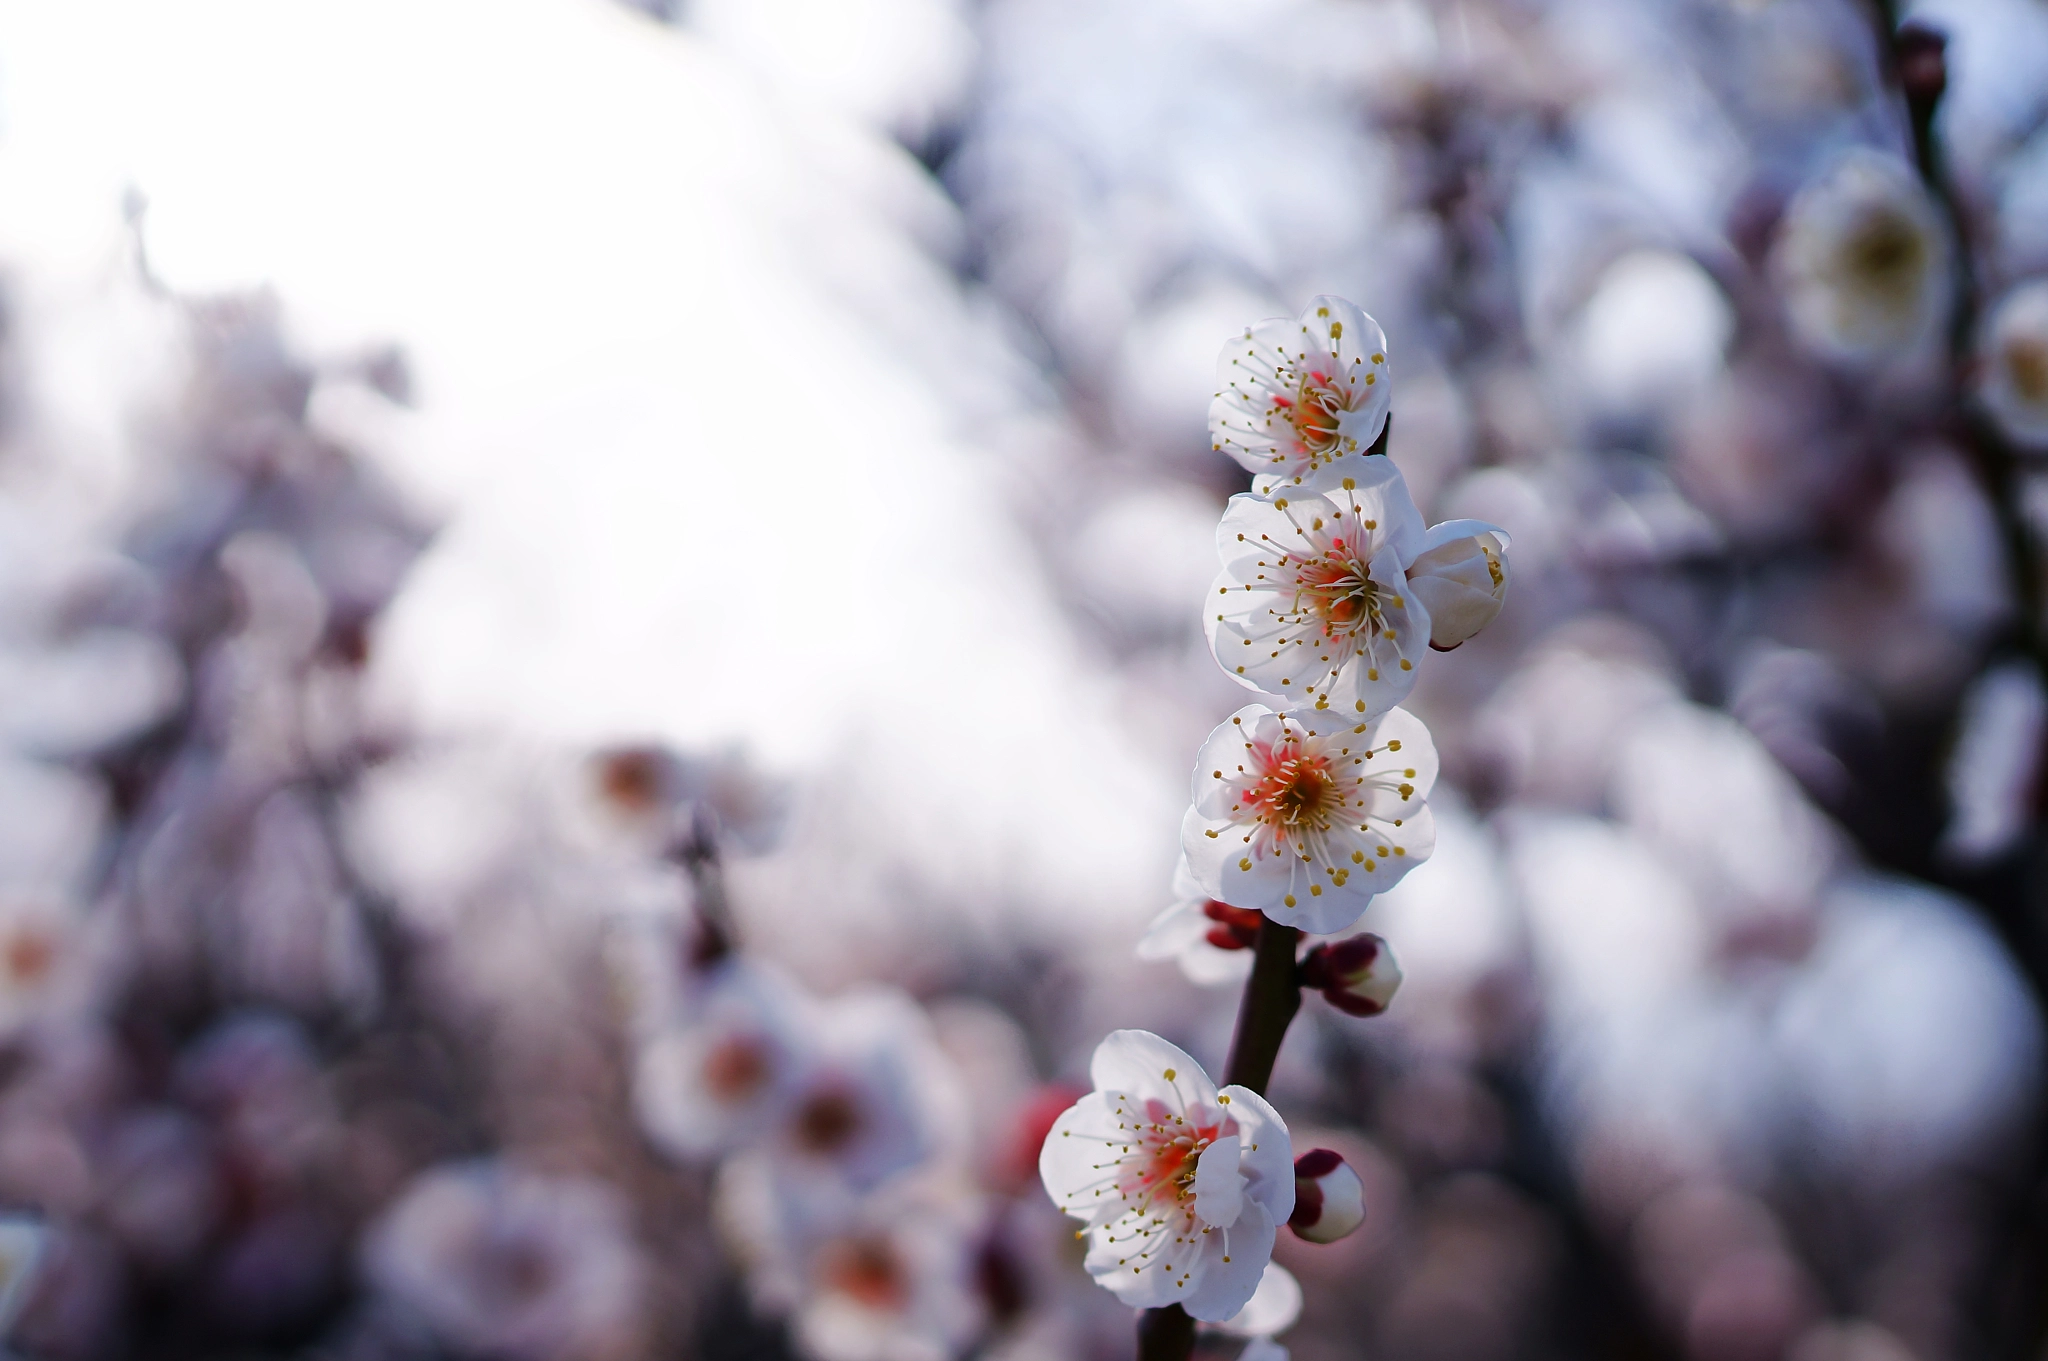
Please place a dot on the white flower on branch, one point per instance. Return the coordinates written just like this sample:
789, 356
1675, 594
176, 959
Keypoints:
1296, 394
1461, 578
2015, 357
1864, 260
893, 1282
878, 1097
1313, 602
725, 1079
1181, 1187
498, 1261
1306, 816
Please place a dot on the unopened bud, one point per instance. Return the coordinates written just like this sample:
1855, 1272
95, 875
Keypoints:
1357, 975
1236, 928
1461, 578
1329, 1199
1923, 66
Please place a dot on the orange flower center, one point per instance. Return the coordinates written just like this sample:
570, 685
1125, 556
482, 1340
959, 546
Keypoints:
867, 1271
736, 1068
1312, 411
1296, 792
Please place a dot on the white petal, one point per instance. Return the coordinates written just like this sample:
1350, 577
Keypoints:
1178, 929
1450, 531
1332, 910
1070, 1161
1418, 750
1207, 967
1221, 1287
1380, 492
1147, 1067
1219, 1186
1267, 1156
1273, 1308
1263, 1349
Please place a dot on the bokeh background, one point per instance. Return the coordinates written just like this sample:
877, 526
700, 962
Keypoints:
489, 488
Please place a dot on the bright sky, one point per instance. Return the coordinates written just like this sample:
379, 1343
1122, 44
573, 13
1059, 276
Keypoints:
709, 429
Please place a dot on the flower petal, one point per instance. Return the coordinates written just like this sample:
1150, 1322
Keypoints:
1230, 1269
1273, 1308
1267, 1157
1141, 1064
1219, 1186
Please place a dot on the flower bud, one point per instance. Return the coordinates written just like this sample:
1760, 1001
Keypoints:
1329, 1199
1461, 578
2014, 352
1357, 976
1923, 67
1236, 928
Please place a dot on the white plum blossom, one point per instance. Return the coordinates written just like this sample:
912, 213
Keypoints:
1864, 260
1210, 940
1181, 1187
1296, 394
2015, 355
41, 947
503, 1262
1313, 603
892, 1283
1461, 578
732, 1072
1305, 816
876, 1098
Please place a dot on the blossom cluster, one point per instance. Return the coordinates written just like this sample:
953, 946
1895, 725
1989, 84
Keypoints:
1307, 803
325, 1032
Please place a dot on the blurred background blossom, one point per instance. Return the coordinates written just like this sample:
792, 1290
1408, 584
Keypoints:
599, 633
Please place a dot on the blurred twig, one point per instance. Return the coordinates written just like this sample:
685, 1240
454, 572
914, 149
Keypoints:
1912, 58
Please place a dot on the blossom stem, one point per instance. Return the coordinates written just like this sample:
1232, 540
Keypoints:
1165, 1334
1921, 83
697, 852
1271, 997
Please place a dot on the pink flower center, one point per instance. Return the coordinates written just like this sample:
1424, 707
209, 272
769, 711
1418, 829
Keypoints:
828, 1121
1313, 411
1162, 1164
27, 957
736, 1068
1339, 591
868, 1271
1295, 791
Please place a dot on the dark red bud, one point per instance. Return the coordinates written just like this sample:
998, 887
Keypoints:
1227, 938
1356, 975
1243, 918
1329, 1199
1921, 52
1317, 1162
1237, 928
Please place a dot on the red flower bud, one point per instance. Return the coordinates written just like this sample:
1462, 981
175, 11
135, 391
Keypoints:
1357, 975
1237, 928
1329, 1199
1923, 66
